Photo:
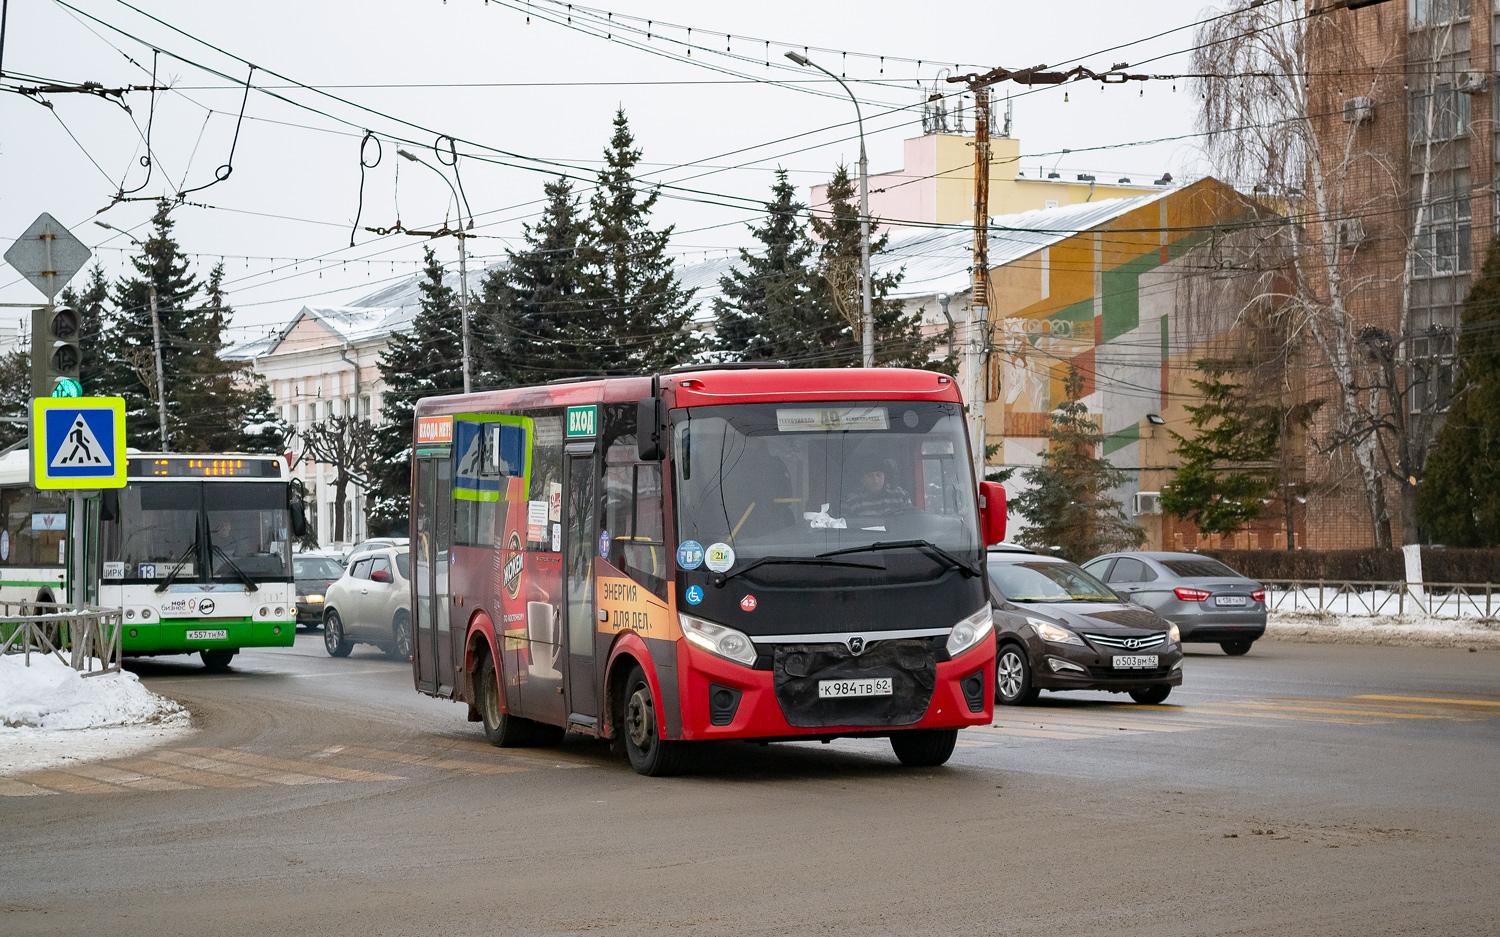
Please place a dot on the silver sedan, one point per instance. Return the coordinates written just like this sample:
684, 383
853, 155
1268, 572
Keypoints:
1206, 600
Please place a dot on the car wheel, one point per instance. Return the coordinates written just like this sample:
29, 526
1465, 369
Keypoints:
501, 728
333, 635
401, 636
1236, 648
650, 754
217, 660
1013, 677
924, 748
1151, 695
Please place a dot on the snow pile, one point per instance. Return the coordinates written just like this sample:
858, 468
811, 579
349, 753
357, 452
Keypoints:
1392, 630
51, 695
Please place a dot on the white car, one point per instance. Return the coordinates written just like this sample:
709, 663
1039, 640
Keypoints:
370, 604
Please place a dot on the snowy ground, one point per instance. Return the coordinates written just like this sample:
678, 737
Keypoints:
1402, 631
50, 714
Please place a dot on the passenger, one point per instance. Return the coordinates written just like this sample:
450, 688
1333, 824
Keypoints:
875, 496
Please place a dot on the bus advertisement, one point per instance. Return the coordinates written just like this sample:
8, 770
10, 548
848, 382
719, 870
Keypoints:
195, 550
729, 553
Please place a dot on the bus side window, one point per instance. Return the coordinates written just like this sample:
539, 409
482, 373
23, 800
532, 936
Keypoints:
644, 556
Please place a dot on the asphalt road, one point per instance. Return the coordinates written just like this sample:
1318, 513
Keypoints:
1302, 790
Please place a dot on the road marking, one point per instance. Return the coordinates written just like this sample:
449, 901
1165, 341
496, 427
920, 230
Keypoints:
71, 783
132, 779
1430, 699
300, 768
10, 788
1337, 712
429, 761
195, 776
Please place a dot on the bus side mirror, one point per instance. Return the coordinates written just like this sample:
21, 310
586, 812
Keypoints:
109, 504
650, 425
992, 512
298, 517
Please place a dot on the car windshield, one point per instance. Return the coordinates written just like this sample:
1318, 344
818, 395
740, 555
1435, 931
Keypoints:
1044, 581
316, 567
1203, 567
792, 481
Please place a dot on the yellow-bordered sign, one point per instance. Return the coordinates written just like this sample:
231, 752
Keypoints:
78, 442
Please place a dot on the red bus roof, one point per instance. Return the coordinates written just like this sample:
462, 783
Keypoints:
706, 388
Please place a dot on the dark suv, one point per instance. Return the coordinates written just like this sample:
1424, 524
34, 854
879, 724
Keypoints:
1058, 628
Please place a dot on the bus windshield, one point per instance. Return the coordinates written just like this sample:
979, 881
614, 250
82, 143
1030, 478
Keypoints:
236, 529
796, 480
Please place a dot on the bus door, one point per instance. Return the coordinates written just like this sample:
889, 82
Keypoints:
580, 542
431, 646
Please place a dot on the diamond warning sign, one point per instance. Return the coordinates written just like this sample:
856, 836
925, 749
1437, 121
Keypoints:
78, 442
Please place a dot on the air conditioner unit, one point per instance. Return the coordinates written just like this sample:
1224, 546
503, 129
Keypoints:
1358, 110
1351, 233
1147, 502
1473, 83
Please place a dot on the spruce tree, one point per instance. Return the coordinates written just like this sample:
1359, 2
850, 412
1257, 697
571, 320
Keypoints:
15, 395
1226, 479
1458, 500
637, 315
528, 305
898, 336
771, 305
1068, 503
424, 361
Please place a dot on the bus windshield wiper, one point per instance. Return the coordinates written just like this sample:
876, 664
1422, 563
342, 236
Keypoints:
250, 584
177, 568
926, 546
722, 578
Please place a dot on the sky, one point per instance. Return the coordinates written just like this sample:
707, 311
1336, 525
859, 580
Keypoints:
524, 101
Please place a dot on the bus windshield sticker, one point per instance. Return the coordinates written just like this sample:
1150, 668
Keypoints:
831, 419
554, 501
4, 545
719, 557
536, 520
114, 569
694, 595
434, 430
556, 538
689, 554
49, 521
604, 543
146, 571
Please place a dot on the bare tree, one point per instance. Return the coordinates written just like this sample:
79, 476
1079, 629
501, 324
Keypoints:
1289, 113
346, 443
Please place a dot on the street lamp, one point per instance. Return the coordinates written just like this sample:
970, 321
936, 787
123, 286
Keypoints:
867, 318
161, 381
463, 266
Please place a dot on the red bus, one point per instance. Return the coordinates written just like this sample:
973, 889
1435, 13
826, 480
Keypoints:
726, 553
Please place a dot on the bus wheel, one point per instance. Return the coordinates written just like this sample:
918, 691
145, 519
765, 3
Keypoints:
924, 748
333, 635
217, 660
501, 728
401, 636
649, 754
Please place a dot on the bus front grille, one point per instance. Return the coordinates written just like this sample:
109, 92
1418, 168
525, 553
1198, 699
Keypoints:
910, 664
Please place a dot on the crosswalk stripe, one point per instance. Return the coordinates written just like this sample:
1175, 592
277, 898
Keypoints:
407, 758
1228, 709
1430, 699
296, 767
132, 779
247, 771
1037, 733
12, 788
197, 776
71, 783
1323, 709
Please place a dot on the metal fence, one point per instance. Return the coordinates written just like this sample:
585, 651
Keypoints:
86, 639
1476, 601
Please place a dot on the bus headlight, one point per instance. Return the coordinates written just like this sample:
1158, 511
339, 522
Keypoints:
718, 639
970, 631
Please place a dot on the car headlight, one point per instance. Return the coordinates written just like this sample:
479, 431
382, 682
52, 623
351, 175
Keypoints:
1173, 634
1051, 633
970, 631
718, 639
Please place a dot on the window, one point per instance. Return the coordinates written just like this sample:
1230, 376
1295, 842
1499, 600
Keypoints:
1423, 13
380, 564
1128, 569
1430, 379
35, 527
362, 568
633, 515
1442, 241
1199, 568
1098, 568
1441, 114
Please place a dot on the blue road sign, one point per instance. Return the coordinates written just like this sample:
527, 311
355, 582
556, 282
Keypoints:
78, 442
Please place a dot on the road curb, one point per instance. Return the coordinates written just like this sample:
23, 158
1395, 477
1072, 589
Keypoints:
1388, 631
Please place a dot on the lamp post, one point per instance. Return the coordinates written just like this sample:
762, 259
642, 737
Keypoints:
867, 318
161, 381
463, 267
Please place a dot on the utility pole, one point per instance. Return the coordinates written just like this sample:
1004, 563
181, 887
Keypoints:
974, 364
161, 380
463, 300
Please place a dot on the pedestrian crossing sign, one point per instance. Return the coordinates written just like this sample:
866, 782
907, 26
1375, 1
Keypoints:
78, 442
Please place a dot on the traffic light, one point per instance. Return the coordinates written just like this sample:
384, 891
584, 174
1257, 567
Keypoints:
55, 355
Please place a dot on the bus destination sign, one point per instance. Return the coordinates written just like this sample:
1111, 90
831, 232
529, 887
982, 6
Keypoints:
204, 468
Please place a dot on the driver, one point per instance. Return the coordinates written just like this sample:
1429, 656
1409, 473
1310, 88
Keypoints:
877, 494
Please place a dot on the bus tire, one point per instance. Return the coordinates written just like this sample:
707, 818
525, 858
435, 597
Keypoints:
501, 729
401, 636
924, 748
333, 635
217, 660
649, 753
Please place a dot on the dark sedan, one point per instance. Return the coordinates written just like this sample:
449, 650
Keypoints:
314, 573
1207, 600
1058, 628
